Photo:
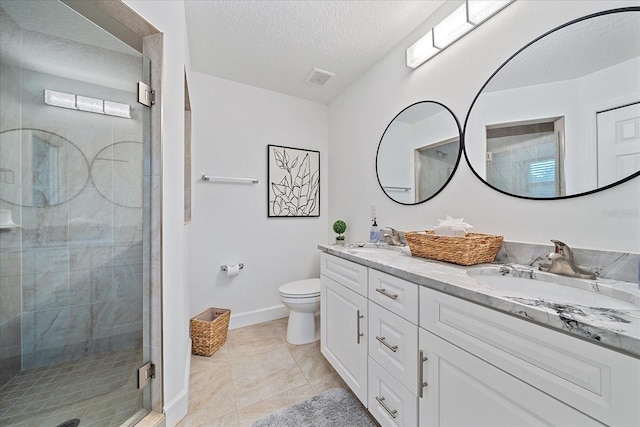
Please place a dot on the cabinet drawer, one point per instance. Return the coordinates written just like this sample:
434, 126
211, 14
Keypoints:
393, 343
389, 402
347, 273
597, 381
394, 294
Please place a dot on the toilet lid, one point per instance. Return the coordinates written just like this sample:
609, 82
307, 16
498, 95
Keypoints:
301, 287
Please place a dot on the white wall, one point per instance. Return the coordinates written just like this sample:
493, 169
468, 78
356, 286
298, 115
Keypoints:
608, 220
232, 125
169, 17
576, 100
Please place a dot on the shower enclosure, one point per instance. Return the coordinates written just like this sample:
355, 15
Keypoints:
74, 209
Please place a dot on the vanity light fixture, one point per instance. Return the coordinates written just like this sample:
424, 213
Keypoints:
458, 23
85, 103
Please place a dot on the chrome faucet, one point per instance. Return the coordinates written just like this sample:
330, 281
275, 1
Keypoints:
394, 237
562, 262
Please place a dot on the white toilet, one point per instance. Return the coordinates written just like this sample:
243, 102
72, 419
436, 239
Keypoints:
302, 297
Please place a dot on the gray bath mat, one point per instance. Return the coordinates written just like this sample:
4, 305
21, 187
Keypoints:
335, 407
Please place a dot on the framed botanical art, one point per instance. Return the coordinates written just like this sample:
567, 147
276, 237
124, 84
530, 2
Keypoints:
293, 182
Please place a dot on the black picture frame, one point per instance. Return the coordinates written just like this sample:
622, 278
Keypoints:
293, 176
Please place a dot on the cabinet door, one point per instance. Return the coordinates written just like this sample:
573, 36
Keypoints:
463, 390
343, 329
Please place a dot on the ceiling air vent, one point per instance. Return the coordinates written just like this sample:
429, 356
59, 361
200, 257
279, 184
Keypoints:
318, 77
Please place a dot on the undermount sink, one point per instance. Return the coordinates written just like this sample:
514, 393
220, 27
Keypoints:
557, 289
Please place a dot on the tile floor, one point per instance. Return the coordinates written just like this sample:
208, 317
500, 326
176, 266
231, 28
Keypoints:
254, 373
102, 390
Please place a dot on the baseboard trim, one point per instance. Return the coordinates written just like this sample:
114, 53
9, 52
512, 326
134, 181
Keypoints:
258, 316
178, 407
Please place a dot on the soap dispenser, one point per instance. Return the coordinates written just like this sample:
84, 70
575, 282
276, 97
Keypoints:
374, 234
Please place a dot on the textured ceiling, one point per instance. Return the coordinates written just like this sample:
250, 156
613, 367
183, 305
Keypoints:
573, 51
275, 44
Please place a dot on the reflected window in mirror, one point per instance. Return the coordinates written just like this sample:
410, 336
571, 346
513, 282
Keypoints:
526, 158
418, 152
585, 72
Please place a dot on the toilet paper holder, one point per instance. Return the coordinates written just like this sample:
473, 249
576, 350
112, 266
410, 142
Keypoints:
225, 266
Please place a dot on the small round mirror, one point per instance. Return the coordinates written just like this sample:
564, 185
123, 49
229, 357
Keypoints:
418, 152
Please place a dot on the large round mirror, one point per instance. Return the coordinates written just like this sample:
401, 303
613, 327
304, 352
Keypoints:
39, 168
418, 152
561, 117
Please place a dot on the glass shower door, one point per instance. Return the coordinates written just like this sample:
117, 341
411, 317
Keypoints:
74, 150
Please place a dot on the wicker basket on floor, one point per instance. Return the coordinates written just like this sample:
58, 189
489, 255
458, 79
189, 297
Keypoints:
209, 331
474, 248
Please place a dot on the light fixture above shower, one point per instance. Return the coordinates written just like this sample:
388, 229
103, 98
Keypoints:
85, 103
452, 28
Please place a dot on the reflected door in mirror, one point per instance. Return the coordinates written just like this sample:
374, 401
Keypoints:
618, 143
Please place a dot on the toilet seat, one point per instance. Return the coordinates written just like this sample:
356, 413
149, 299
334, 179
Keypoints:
308, 288
302, 298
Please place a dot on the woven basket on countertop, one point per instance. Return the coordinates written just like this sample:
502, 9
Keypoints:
209, 331
474, 248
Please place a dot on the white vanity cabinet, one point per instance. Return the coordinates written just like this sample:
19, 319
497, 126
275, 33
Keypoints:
484, 367
417, 356
343, 321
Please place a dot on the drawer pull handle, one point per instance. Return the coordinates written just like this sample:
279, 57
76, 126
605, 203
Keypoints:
386, 408
384, 292
421, 382
383, 340
359, 316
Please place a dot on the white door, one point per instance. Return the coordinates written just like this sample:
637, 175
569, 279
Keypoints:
618, 143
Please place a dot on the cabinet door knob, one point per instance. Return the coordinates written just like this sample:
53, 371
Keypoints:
384, 292
383, 340
392, 413
421, 382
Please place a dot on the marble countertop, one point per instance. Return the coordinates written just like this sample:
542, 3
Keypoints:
617, 328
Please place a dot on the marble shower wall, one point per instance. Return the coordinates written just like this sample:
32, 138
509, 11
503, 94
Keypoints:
10, 243
73, 273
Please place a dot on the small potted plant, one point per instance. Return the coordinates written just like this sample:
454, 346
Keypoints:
340, 227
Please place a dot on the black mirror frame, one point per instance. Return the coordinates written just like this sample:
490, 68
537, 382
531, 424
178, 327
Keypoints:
464, 142
455, 167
